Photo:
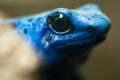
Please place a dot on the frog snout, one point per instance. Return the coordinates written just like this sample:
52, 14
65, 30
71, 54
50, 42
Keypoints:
104, 30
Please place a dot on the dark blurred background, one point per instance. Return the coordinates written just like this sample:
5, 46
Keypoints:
104, 62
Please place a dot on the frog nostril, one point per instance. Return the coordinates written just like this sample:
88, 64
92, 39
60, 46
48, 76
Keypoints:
90, 28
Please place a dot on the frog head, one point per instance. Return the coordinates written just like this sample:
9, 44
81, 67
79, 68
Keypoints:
63, 33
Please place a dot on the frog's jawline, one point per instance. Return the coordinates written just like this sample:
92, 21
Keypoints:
77, 46
77, 52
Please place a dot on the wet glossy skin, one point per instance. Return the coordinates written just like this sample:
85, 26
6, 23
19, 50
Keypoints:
63, 32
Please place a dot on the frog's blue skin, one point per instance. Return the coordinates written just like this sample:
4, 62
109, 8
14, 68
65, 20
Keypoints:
81, 18
62, 47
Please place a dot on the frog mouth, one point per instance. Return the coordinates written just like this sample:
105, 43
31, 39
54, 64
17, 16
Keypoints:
74, 50
77, 45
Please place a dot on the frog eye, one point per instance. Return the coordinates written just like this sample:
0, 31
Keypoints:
59, 22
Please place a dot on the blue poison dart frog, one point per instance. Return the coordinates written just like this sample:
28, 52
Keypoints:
63, 37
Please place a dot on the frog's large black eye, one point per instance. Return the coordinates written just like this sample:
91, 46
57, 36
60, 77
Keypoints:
59, 22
